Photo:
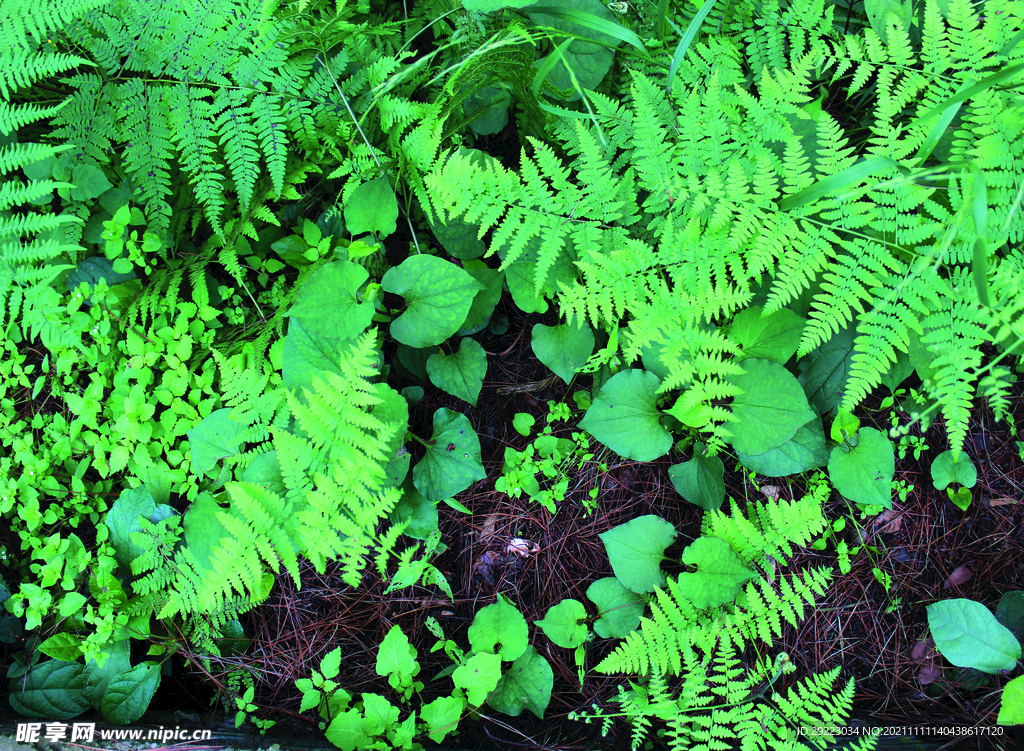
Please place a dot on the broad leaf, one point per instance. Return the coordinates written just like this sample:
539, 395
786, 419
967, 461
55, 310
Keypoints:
372, 207
396, 654
969, 636
620, 609
825, 370
701, 480
439, 295
526, 683
478, 676
307, 353
625, 417
129, 693
562, 348
54, 690
773, 337
770, 409
864, 473
589, 62
636, 550
485, 300
805, 450
414, 508
346, 731
98, 678
452, 462
1010, 612
461, 374
1011, 709
123, 519
946, 470
441, 716
564, 624
720, 573
499, 629
878, 10
203, 529
217, 436
327, 304
459, 239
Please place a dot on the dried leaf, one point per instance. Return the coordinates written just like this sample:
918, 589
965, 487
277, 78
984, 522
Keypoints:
958, 577
771, 491
1004, 501
893, 526
487, 530
928, 674
922, 648
522, 547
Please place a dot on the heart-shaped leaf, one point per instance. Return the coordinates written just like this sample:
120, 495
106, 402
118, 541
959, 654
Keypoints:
439, 295
805, 450
461, 374
701, 480
636, 550
562, 348
625, 418
770, 408
327, 303
720, 573
864, 473
773, 337
946, 470
620, 609
217, 436
526, 683
564, 624
452, 462
372, 207
969, 636
478, 676
499, 629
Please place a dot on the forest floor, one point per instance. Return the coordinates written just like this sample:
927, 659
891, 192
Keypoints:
871, 631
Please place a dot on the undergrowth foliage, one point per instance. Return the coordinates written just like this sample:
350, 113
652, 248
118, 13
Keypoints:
683, 208
199, 222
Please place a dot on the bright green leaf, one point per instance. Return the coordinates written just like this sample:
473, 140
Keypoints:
439, 295
773, 337
720, 573
946, 470
864, 473
441, 716
619, 608
969, 636
461, 374
526, 683
562, 348
499, 628
372, 207
805, 450
478, 676
217, 436
701, 480
1011, 708
636, 550
564, 625
625, 417
770, 409
452, 462
327, 302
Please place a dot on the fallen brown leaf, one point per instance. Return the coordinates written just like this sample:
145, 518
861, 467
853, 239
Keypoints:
958, 577
928, 674
922, 648
771, 491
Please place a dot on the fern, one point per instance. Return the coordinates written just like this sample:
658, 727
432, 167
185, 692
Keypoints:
719, 699
333, 498
677, 206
